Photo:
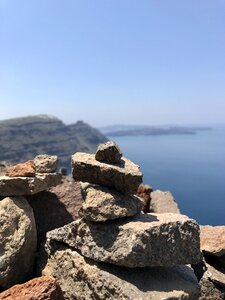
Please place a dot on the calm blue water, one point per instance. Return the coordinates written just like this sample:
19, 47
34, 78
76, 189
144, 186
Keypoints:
192, 167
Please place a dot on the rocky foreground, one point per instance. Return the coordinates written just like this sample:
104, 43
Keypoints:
91, 237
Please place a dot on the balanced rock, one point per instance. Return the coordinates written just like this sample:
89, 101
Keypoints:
17, 240
25, 169
163, 202
46, 163
83, 279
125, 176
41, 288
213, 240
18, 186
108, 152
102, 204
147, 240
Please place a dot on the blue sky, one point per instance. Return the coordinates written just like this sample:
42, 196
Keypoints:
113, 61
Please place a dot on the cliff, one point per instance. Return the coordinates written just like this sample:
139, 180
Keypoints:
23, 138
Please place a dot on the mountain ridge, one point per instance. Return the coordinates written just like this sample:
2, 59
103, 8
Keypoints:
25, 137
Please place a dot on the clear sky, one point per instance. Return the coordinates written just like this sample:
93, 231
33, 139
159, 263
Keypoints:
113, 61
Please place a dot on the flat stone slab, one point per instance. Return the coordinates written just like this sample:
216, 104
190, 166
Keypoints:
19, 186
82, 278
139, 241
124, 176
102, 204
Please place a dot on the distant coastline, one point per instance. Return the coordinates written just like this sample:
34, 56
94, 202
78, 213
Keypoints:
150, 130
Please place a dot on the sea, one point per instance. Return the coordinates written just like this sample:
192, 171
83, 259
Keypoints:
192, 167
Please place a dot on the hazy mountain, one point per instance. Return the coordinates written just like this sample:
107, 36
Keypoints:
23, 138
135, 130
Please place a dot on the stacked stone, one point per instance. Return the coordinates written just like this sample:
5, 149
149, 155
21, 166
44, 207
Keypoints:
18, 236
115, 251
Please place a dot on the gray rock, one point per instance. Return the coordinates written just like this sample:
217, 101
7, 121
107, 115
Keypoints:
108, 152
45, 163
18, 186
212, 284
17, 240
102, 204
81, 278
147, 240
3, 167
163, 202
125, 176
215, 276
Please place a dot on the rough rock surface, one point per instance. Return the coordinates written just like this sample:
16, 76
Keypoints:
212, 284
17, 240
56, 207
216, 276
146, 240
41, 288
125, 176
108, 152
83, 279
45, 163
144, 192
102, 204
3, 167
25, 169
213, 240
209, 291
163, 202
19, 186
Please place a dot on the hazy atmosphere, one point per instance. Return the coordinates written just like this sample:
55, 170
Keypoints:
112, 149
113, 62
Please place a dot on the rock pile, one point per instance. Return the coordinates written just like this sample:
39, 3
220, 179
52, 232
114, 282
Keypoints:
18, 237
114, 251
30, 177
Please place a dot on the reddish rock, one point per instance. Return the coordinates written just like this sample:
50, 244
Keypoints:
144, 192
57, 206
213, 240
41, 288
25, 169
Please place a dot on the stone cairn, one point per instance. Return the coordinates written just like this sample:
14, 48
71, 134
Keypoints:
115, 251
18, 235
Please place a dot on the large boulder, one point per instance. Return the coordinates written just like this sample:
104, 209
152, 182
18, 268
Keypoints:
41, 288
83, 279
102, 204
108, 152
124, 176
18, 240
20, 186
163, 202
56, 207
144, 240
